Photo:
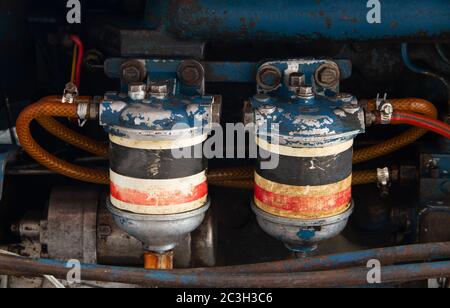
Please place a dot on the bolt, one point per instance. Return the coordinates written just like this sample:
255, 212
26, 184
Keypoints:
131, 74
328, 75
191, 73
268, 78
133, 71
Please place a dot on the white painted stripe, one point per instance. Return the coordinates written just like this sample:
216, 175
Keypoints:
304, 152
148, 186
158, 145
159, 210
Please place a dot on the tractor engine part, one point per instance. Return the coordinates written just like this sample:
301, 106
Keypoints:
305, 125
158, 189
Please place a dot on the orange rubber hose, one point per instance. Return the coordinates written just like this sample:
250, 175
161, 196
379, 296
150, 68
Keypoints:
70, 136
359, 177
394, 144
48, 107
235, 173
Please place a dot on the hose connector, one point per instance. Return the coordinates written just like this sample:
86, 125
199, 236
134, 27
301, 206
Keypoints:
87, 111
384, 181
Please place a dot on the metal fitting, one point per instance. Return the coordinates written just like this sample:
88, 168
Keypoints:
297, 83
137, 91
268, 78
191, 73
87, 111
328, 75
386, 112
70, 93
249, 114
158, 90
296, 80
384, 181
266, 110
385, 108
133, 71
305, 91
216, 109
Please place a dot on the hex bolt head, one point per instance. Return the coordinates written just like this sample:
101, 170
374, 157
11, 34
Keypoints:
328, 75
133, 71
268, 78
191, 73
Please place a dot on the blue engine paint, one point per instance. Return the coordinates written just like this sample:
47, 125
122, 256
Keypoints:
239, 72
183, 108
326, 118
299, 20
156, 114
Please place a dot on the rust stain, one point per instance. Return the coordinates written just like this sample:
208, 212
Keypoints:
158, 261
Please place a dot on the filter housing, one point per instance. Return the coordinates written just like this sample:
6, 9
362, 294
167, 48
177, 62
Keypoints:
159, 190
304, 131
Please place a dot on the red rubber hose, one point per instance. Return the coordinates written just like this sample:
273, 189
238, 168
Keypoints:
414, 119
77, 41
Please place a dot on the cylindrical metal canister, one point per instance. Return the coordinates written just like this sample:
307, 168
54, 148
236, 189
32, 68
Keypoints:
159, 191
308, 183
147, 179
305, 132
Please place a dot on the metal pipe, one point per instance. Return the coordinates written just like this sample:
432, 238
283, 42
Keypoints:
391, 255
11, 265
295, 20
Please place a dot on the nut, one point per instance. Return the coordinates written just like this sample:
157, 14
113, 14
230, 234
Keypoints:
159, 90
306, 91
137, 91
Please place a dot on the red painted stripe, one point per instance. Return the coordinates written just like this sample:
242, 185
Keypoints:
163, 198
304, 203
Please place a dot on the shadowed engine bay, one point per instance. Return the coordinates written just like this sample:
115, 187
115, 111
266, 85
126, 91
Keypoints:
224, 144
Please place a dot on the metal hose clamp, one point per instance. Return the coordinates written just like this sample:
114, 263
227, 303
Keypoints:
70, 93
385, 108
